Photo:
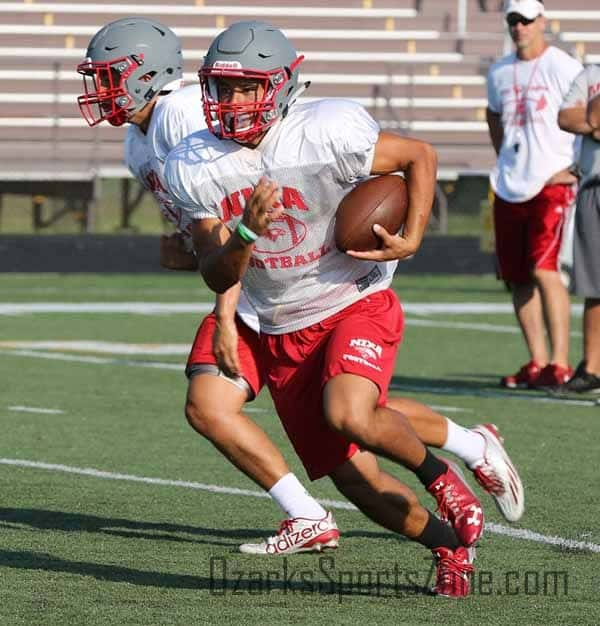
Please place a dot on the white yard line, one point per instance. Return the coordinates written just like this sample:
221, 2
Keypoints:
499, 529
98, 360
491, 328
163, 308
33, 409
449, 409
140, 308
458, 390
105, 347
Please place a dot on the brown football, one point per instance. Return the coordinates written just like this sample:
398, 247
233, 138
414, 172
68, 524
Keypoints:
380, 200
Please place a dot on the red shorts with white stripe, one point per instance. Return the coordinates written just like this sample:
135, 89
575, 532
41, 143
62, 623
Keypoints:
528, 234
248, 351
361, 339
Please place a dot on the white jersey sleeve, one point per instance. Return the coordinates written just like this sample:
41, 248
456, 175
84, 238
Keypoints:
184, 185
350, 133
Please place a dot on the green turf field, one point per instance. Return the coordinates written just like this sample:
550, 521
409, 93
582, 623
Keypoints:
108, 545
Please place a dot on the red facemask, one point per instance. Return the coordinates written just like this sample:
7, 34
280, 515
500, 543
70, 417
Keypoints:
242, 121
106, 96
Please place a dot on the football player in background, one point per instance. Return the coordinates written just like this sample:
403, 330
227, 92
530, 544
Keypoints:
133, 75
313, 302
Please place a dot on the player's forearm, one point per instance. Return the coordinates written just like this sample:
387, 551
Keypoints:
421, 182
224, 267
226, 303
593, 113
574, 120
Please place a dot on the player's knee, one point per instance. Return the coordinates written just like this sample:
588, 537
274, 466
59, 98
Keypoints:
350, 422
349, 407
542, 276
200, 417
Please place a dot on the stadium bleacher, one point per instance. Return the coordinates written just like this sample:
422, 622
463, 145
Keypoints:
415, 65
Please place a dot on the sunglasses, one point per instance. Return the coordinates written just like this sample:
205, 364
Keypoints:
513, 19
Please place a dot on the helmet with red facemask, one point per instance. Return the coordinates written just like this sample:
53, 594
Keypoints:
258, 53
127, 63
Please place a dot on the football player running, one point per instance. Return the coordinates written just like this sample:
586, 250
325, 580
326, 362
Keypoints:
262, 184
137, 81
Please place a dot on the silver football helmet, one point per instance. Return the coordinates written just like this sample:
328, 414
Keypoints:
258, 54
127, 63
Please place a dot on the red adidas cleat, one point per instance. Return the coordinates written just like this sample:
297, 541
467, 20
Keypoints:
453, 571
458, 504
298, 535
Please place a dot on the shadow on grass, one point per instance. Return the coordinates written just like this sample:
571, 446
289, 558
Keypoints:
223, 577
156, 531
480, 385
131, 529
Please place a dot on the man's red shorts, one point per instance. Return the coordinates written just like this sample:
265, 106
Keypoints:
248, 350
361, 339
528, 234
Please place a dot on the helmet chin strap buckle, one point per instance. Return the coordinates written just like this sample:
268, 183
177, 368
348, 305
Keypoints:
278, 79
301, 89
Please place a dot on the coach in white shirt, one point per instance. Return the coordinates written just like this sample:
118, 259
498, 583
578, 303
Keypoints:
533, 187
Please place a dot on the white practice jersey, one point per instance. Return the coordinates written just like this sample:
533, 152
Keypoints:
317, 154
528, 96
175, 116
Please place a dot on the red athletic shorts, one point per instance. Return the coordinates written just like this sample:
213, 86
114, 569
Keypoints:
248, 350
528, 234
361, 339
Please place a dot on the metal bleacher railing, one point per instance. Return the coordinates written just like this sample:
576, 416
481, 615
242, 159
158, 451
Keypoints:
418, 71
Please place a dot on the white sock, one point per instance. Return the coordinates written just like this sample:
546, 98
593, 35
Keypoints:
293, 498
466, 444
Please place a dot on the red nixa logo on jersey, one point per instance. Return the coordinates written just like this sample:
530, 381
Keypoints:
284, 233
233, 205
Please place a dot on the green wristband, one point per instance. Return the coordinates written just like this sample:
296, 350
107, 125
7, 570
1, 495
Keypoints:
245, 233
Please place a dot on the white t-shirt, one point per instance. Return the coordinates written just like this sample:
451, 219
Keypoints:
296, 276
175, 116
586, 87
528, 95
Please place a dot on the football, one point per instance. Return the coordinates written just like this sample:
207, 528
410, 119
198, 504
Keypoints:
379, 200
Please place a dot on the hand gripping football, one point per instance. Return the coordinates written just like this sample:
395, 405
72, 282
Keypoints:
379, 200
